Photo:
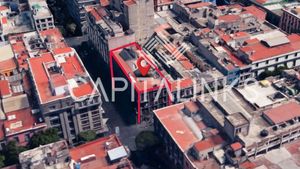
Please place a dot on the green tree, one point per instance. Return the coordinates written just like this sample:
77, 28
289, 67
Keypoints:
87, 135
2, 160
44, 137
71, 28
146, 139
12, 151
277, 71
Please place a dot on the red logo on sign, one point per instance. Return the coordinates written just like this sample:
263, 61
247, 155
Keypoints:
144, 69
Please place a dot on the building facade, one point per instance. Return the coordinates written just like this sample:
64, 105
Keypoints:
104, 33
290, 19
70, 101
77, 10
139, 17
42, 17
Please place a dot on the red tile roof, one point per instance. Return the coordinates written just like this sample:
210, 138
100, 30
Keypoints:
146, 84
257, 12
58, 80
181, 84
241, 35
99, 149
8, 64
4, 88
129, 2
104, 2
260, 51
95, 14
199, 5
83, 90
2, 8
261, 1
191, 106
229, 18
209, 143
283, 112
4, 20
62, 50
71, 68
226, 38
236, 146
24, 121
19, 49
252, 41
54, 37
247, 165
164, 2
173, 122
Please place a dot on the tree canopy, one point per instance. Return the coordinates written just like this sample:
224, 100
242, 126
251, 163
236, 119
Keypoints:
86, 136
146, 139
44, 137
11, 152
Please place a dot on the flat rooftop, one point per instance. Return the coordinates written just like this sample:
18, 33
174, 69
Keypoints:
16, 24
39, 8
265, 49
225, 103
261, 96
56, 75
96, 154
286, 157
6, 53
53, 38
127, 59
21, 120
283, 113
54, 155
259, 123
173, 121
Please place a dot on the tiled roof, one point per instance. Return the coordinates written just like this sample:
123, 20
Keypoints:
54, 37
173, 122
236, 146
8, 64
98, 148
23, 121
229, 18
70, 66
2, 8
209, 143
283, 112
129, 2
199, 5
260, 51
4, 88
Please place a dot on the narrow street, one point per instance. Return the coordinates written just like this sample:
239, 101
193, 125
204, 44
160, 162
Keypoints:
127, 133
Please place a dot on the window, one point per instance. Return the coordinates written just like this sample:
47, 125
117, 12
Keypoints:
85, 122
83, 115
238, 130
52, 107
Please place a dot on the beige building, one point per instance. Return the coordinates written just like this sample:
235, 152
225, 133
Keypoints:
42, 17
139, 17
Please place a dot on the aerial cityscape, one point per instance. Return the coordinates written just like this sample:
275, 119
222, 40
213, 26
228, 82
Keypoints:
150, 84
